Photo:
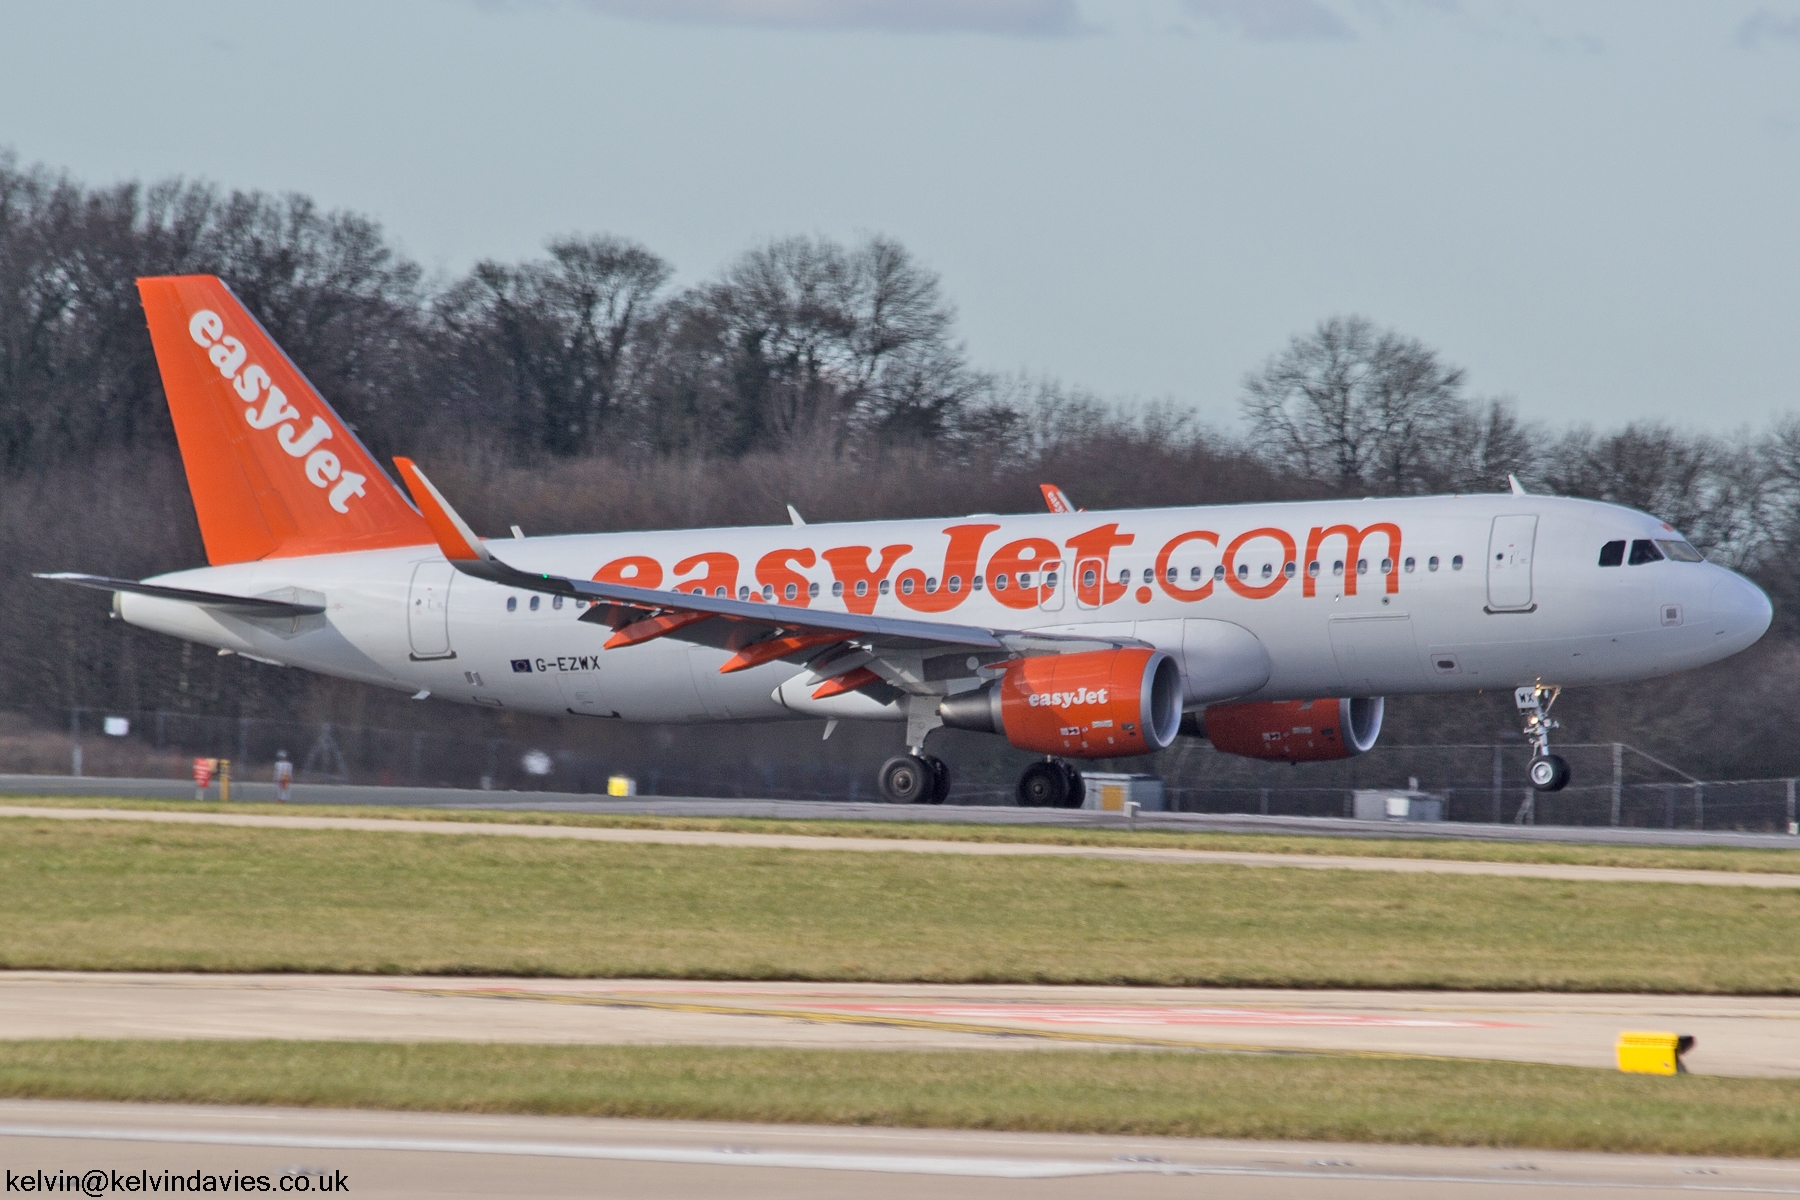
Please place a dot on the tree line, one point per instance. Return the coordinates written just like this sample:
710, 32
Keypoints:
584, 389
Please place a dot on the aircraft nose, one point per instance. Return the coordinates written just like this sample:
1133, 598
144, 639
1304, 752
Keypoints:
1741, 611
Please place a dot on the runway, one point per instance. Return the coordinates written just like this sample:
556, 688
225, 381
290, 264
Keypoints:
402, 1156
1749, 1036
833, 810
784, 841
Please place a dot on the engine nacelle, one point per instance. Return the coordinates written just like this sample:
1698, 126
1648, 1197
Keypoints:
1292, 730
1097, 704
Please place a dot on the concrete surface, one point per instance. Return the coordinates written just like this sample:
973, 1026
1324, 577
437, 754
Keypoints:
1736, 1035
400, 1156
784, 841
823, 810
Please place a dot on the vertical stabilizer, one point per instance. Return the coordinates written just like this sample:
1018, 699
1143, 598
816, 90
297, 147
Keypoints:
273, 470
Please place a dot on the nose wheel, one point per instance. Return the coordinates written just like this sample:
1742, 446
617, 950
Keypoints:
1548, 772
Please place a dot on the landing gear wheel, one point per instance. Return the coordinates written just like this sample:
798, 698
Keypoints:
1077, 787
907, 779
1549, 773
1051, 784
940, 780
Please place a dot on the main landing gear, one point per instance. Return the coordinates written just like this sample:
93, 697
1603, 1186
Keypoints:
1549, 772
1052, 783
915, 779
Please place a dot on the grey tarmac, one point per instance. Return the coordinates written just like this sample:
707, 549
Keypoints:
401, 1156
786, 841
851, 810
1737, 1035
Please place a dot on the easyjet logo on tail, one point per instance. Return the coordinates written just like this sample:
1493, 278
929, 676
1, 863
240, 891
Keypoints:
269, 409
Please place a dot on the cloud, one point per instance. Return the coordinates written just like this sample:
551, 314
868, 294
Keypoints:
1275, 20
1011, 18
1764, 26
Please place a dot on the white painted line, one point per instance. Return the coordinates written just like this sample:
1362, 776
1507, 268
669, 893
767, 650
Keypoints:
893, 1164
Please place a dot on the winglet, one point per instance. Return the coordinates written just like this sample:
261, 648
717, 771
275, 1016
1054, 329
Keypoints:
454, 537
1518, 489
1054, 500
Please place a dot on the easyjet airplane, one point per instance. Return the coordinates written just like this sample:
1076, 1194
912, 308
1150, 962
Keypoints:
1274, 630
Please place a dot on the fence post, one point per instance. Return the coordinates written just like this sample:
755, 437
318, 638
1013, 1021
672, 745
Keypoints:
1499, 778
75, 742
1699, 806
1790, 810
1618, 778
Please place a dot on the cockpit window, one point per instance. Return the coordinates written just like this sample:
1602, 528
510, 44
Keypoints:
1681, 552
1644, 551
1612, 554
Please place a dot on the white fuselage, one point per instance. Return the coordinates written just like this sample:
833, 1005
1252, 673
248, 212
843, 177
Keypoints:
1511, 601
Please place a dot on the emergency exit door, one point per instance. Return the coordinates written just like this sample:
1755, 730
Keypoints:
428, 610
1509, 563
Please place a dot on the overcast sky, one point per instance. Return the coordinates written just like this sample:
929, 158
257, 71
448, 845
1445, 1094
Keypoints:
1593, 206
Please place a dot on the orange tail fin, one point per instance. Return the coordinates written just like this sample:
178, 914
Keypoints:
273, 470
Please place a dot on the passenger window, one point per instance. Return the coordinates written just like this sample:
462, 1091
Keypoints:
1149, 575
1387, 565
1267, 570
1337, 568
1362, 566
1125, 575
862, 587
769, 591
974, 583
1613, 554
535, 601
906, 587
1195, 574
1288, 570
556, 602
1087, 578
1410, 564
743, 591
1312, 568
1024, 579
512, 604
1456, 563
1643, 550
1219, 571
1681, 552
812, 589
1172, 574
1431, 564
886, 587
837, 589
931, 583
955, 583
1243, 570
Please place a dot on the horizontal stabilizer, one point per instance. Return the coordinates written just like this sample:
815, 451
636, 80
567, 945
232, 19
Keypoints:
237, 606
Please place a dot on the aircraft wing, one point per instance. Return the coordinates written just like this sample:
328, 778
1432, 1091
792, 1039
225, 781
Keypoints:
875, 649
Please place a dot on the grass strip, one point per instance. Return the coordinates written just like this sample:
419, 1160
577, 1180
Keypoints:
1080, 1091
1692, 858
117, 895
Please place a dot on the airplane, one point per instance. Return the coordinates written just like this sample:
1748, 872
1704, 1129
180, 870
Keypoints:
1273, 630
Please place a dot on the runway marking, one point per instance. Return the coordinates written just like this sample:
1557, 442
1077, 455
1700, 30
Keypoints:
892, 1164
1125, 1014
788, 841
897, 1020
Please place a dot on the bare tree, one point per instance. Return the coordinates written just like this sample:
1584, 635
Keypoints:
1358, 408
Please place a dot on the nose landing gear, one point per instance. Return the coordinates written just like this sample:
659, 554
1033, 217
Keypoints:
1549, 772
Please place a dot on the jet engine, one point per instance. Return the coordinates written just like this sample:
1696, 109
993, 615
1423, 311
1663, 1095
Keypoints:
1096, 704
1291, 730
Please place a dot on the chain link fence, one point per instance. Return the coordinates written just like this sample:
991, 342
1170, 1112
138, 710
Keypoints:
1617, 785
